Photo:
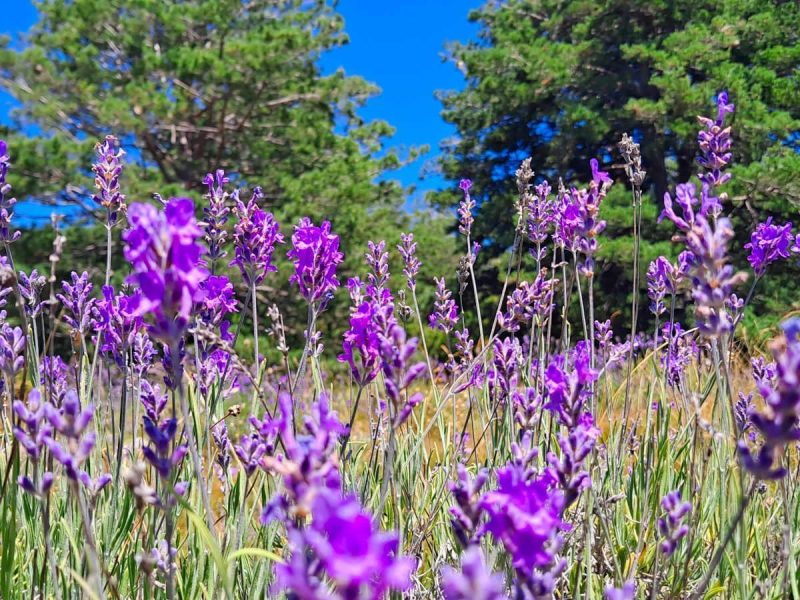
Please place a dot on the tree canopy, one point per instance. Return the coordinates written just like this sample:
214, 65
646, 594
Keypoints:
562, 81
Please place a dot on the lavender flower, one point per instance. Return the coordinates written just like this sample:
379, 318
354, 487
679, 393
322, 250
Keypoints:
768, 244
378, 261
445, 313
359, 561
309, 465
399, 373
779, 424
465, 208
567, 382
524, 513
678, 354
467, 512
254, 238
35, 428
53, 374
30, 288
12, 355
626, 592
107, 171
504, 373
661, 280
408, 250
216, 215
360, 348
474, 582
713, 279
163, 251
529, 300
249, 451
671, 526
78, 302
72, 423
6, 201
541, 215
115, 319
315, 254
569, 467
222, 459
715, 144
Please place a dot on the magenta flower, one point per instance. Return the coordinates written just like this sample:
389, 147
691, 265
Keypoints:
78, 302
662, 278
671, 526
360, 348
465, 208
474, 582
768, 244
216, 215
779, 423
445, 313
361, 561
408, 250
715, 144
107, 171
7, 202
529, 300
626, 592
116, 321
524, 513
467, 513
713, 279
315, 254
163, 251
254, 238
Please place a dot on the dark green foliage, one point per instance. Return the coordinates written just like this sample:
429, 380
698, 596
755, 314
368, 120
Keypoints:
192, 86
561, 81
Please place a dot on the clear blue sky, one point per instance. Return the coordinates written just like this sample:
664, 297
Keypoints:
396, 44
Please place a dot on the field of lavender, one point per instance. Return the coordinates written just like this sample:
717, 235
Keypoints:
543, 458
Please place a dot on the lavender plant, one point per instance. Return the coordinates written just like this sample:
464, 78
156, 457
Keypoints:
548, 456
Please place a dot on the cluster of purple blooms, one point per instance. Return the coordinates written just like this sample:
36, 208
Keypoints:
335, 547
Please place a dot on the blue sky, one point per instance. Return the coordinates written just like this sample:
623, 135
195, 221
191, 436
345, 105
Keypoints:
396, 44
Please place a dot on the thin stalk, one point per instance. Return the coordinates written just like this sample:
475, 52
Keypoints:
712, 567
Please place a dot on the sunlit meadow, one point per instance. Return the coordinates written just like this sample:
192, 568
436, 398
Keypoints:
532, 455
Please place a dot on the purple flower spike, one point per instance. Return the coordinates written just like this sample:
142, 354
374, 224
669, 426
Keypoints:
360, 561
467, 512
249, 450
35, 428
662, 279
779, 424
529, 300
465, 209
115, 319
524, 513
715, 144
474, 582
360, 348
107, 171
445, 313
671, 526
315, 254
30, 288
78, 302
216, 215
408, 250
7, 202
768, 244
254, 238
626, 592
163, 251
713, 279
12, 350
